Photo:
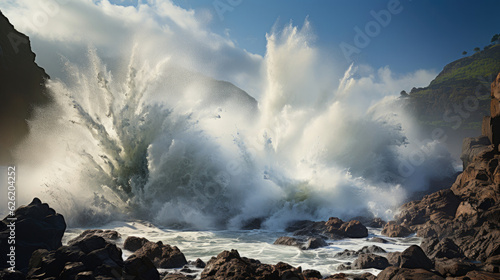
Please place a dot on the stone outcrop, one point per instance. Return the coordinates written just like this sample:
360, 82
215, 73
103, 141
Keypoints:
91, 257
460, 225
36, 226
133, 243
22, 87
162, 255
109, 235
230, 266
370, 261
334, 228
302, 243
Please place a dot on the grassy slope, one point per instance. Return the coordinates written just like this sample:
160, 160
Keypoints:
460, 82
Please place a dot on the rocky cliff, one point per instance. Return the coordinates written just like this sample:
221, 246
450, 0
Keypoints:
461, 225
22, 87
458, 98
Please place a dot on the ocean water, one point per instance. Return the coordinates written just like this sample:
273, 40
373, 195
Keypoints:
256, 244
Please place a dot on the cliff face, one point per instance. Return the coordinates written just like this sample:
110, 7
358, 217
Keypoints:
22, 86
461, 90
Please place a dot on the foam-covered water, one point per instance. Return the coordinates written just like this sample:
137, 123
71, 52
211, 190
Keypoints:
137, 133
256, 244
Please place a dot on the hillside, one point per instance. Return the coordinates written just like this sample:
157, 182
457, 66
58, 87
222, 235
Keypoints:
459, 96
457, 99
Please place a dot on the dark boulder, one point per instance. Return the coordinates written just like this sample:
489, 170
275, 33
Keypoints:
229, 265
90, 257
391, 229
444, 248
288, 241
314, 243
354, 229
378, 240
176, 276
370, 261
162, 256
140, 268
110, 235
133, 243
453, 267
312, 274
396, 273
414, 257
198, 263
12, 275
37, 226
393, 258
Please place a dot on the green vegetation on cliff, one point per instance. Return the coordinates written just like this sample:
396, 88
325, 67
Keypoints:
459, 96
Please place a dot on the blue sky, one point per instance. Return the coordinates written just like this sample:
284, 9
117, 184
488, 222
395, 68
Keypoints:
424, 35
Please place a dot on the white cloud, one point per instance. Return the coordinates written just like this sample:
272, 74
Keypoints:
159, 28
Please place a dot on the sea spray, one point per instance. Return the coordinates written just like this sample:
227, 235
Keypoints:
149, 139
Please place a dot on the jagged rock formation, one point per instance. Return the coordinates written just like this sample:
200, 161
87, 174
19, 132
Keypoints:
35, 226
22, 86
462, 224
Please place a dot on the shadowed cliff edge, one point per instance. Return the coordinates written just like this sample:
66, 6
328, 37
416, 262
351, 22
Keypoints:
22, 87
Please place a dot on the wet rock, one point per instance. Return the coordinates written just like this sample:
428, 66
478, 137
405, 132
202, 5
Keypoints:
344, 266
378, 240
376, 223
354, 229
444, 248
162, 256
288, 241
255, 223
133, 243
198, 263
391, 229
37, 226
371, 249
338, 276
229, 265
311, 274
414, 257
453, 267
473, 146
492, 264
314, 243
176, 276
393, 258
346, 254
68, 261
141, 268
479, 275
396, 273
12, 275
443, 203
109, 235
370, 261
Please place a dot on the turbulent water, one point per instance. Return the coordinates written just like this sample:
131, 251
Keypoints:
256, 244
168, 145
136, 133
